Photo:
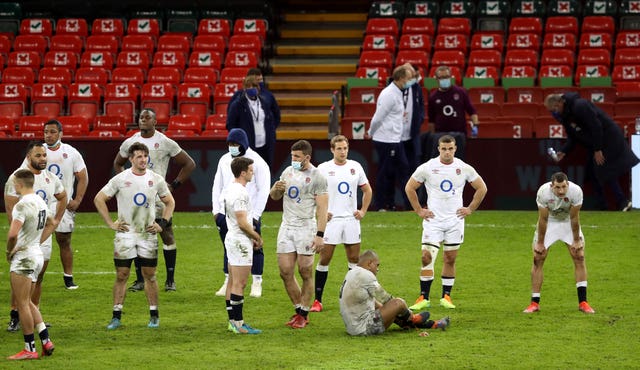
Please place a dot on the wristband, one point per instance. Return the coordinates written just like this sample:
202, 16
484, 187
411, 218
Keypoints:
320, 234
175, 184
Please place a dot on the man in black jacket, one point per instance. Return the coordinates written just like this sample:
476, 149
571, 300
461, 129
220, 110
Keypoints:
609, 154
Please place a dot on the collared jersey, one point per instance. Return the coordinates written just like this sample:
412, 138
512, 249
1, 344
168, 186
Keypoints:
559, 207
161, 150
299, 199
343, 182
135, 195
444, 184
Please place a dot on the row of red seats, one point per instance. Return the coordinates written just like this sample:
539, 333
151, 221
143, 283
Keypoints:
454, 25
513, 127
180, 125
123, 99
137, 43
145, 26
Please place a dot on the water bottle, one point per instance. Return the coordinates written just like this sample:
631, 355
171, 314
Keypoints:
552, 153
638, 125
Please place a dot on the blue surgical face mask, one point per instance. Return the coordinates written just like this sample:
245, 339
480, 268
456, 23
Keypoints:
252, 93
261, 84
54, 144
444, 83
296, 165
410, 83
234, 150
557, 116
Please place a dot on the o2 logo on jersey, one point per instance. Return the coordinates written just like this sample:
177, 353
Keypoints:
140, 200
344, 188
447, 186
448, 111
294, 193
150, 163
43, 194
55, 169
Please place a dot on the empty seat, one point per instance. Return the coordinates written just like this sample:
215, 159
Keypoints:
141, 43
241, 59
600, 7
217, 26
627, 39
13, 101
458, 9
61, 75
108, 26
159, 97
422, 9
596, 40
505, 130
381, 9
37, 43
557, 57
233, 74
194, 99
164, 75
595, 57
66, 59
623, 73
19, 75
224, 91
598, 23
72, 26
563, 7
210, 43
529, 41
216, 121
449, 58
414, 57
518, 72
521, 57
482, 95
36, 26
251, 26
74, 125
108, 43
487, 42
599, 94
32, 125
559, 41
205, 59
493, 16
485, 58
454, 25
367, 95
84, 100
590, 71
418, 26
379, 73
144, 26
627, 56
382, 26
528, 8
132, 75
555, 71
176, 43
121, 100
72, 43
47, 99
525, 95
417, 42
549, 128
525, 25
182, 20
372, 58
483, 72
95, 75
451, 42
7, 126
379, 42
137, 59
528, 109
185, 122
561, 24
488, 110
110, 123
246, 42
173, 59
30, 59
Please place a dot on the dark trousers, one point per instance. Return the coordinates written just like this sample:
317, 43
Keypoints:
393, 167
258, 254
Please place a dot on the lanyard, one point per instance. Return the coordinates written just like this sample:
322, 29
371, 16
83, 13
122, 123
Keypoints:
405, 98
256, 114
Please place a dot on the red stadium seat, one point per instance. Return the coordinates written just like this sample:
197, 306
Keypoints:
194, 98
217, 133
523, 109
367, 95
180, 133
224, 91
214, 26
595, 57
5, 47
144, 26
451, 41
144, 43
481, 41
505, 130
30, 59
216, 121
47, 99
626, 108
415, 42
627, 39
210, 43
185, 122
449, 58
559, 41
348, 124
108, 43
519, 72
37, 43
203, 75
7, 125
627, 90
483, 72
97, 75
561, 24
173, 59
246, 42
529, 41
105, 133
70, 43
36, 26
176, 43
74, 124
379, 42
627, 56
72, 26
521, 57
108, 26
61, 75
359, 110
206, 59
599, 94
110, 123
555, 71
485, 58
84, 100
489, 110
454, 25
164, 75
414, 57
596, 40
622, 73
121, 100
241, 59
525, 95
483, 95
160, 98
100, 59
418, 26
380, 73
382, 26
66, 59
13, 101
251, 26
19, 75
382, 59
557, 57
549, 128
132, 75
525, 25
598, 23
135, 59
233, 74
32, 124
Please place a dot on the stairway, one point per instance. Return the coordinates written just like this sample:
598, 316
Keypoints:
313, 57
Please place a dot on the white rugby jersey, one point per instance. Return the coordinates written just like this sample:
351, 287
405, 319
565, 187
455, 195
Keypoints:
64, 162
302, 187
342, 183
358, 296
161, 150
258, 188
32, 211
46, 186
236, 198
135, 195
444, 184
559, 207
